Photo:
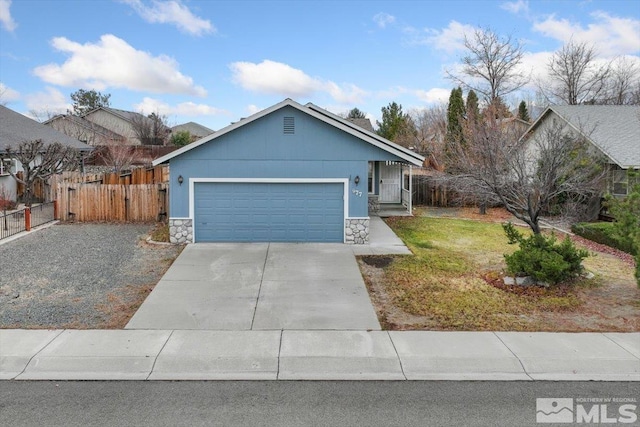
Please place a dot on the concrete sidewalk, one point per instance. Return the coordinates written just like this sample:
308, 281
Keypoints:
316, 355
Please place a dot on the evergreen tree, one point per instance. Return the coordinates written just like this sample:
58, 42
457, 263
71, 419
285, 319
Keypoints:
355, 113
393, 121
472, 109
523, 112
88, 100
455, 116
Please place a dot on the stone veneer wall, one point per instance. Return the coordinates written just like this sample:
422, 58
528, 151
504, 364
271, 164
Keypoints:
180, 231
357, 231
374, 204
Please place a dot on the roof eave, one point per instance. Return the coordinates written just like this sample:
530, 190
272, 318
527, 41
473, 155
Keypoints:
407, 155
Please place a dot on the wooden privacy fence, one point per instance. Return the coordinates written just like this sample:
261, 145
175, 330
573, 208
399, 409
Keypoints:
428, 191
155, 175
97, 202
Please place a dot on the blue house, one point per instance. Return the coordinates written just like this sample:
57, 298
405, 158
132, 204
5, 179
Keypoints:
289, 173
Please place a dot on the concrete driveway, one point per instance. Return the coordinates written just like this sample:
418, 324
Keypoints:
260, 286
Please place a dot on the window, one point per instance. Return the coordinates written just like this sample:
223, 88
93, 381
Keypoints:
371, 178
405, 181
6, 165
620, 182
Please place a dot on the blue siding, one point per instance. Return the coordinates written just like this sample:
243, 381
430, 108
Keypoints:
260, 149
268, 212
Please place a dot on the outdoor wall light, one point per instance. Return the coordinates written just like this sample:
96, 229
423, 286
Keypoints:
180, 179
357, 179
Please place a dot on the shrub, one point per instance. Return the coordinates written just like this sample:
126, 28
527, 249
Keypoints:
542, 258
602, 232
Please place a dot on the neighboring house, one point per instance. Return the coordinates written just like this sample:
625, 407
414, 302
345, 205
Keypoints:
196, 130
15, 129
84, 130
363, 123
613, 130
118, 121
515, 125
292, 172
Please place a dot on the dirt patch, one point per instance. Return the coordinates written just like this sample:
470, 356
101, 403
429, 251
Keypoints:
391, 318
378, 261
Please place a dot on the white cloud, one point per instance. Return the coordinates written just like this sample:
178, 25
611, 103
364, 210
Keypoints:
112, 62
172, 12
151, 105
449, 39
383, 19
611, 35
252, 109
516, 6
434, 96
50, 101
5, 16
7, 94
281, 79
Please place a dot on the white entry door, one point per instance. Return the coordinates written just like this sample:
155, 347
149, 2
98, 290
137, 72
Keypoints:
390, 175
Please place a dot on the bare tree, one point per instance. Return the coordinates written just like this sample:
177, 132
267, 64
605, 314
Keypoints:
575, 75
117, 154
431, 130
526, 176
42, 115
623, 85
40, 161
151, 130
490, 66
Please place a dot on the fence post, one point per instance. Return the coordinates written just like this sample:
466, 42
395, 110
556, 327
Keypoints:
55, 209
27, 219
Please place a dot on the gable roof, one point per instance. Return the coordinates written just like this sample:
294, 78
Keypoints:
193, 128
128, 116
613, 129
16, 128
86, 124
363, 123
318, 113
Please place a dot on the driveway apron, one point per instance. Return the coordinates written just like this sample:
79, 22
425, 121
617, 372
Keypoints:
260, 286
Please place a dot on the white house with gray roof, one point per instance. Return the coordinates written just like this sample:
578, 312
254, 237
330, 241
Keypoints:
613, 130
15, 129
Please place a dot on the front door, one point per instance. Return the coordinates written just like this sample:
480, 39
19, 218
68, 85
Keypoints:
390, 175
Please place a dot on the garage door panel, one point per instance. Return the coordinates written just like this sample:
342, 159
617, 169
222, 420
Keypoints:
277, 212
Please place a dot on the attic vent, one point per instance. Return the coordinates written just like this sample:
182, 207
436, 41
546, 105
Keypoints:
289, 126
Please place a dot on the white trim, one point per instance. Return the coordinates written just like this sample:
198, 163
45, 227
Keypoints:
179, 217
343, 181
358, 217
318, 113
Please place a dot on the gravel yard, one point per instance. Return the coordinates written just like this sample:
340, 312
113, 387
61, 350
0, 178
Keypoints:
79, 275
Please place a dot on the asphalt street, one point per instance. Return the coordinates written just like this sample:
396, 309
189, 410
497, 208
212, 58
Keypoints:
289, 403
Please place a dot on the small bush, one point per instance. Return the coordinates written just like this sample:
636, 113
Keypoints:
602, 232
542, 258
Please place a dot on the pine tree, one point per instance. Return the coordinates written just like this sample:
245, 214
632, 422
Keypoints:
393, 121
455, 115
523, 112
355, 113
472, 109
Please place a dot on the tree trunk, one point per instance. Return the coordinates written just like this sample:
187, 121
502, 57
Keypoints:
483, 208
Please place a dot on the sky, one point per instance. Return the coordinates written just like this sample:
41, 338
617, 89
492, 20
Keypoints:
214, 62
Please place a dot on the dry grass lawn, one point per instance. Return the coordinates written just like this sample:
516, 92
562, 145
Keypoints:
453, 282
